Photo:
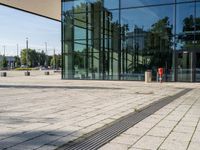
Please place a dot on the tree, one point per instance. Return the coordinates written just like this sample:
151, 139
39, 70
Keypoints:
56, 62
32, 58
48, 60
4, 62
17, 61
42, 58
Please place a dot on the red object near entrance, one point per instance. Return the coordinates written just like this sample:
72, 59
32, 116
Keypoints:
160, 71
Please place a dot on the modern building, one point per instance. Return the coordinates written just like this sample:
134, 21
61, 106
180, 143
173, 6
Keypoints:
121, 39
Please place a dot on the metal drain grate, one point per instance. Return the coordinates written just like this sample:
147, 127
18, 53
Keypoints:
103, 136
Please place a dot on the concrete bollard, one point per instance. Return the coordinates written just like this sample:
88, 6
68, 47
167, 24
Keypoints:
27, 73
3, 74
148, 76
46, 73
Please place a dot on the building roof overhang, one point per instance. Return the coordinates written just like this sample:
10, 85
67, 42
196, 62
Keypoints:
47, 8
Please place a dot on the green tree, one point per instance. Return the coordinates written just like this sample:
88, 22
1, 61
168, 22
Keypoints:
56, 62
42, 58
17, 61
33, 58
4, 63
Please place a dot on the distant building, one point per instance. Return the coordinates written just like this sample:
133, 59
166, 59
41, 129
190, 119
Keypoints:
10, 59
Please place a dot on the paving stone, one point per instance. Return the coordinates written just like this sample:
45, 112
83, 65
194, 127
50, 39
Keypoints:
194, 146
114, 146
36, 143
159, 131
47, 147
184, 129
125, 139
183, 137
136, 131
149, 142
174, 145
196, 136
167, 123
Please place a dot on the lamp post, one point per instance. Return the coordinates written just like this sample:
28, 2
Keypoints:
54, 58
27, 53
17, 50
46, 55
4, 50
27, 73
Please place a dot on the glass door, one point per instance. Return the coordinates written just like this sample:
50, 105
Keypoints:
184, 71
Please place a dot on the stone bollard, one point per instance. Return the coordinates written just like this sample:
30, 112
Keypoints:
46, 73
3, 74
27, 73
148, 76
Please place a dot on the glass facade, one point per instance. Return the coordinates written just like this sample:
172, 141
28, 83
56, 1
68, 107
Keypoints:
121, 39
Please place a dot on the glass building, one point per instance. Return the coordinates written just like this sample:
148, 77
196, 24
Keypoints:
121, 39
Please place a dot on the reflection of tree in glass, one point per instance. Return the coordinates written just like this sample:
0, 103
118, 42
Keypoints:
191, 32
79, 59
158, 52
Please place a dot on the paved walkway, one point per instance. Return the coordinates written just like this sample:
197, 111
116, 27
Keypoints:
174, 127
44, 112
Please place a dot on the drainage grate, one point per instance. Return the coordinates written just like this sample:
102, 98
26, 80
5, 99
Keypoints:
106, 134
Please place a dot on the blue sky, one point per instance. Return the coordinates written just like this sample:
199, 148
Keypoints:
16, 25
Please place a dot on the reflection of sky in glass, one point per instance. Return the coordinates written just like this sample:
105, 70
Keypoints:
136, 3
198, 10
183, 11
147, 16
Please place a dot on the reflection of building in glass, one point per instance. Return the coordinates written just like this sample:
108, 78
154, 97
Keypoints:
116, 40
92, 43
136, 45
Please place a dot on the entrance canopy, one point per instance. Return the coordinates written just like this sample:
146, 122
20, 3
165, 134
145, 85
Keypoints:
47, 8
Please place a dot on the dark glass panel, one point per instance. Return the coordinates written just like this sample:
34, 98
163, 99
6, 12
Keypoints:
197, 27
197, 41
138, 3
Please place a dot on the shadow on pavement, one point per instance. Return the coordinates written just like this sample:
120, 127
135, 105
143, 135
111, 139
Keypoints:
35, 139
60, 87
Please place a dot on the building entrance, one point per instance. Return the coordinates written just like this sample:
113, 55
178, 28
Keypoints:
188, 66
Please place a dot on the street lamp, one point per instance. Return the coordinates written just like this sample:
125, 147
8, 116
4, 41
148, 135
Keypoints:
27, 53
46, 57
4, 50
17, 50
27, 73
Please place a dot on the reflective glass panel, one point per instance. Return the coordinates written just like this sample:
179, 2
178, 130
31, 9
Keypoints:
185, 31
149, 41
138, 3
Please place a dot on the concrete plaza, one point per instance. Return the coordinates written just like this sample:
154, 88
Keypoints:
44, 112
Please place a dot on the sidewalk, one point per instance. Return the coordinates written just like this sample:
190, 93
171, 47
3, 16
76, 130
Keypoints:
44, 112
174, 127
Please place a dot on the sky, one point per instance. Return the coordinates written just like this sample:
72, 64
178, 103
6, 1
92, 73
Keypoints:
16, 26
